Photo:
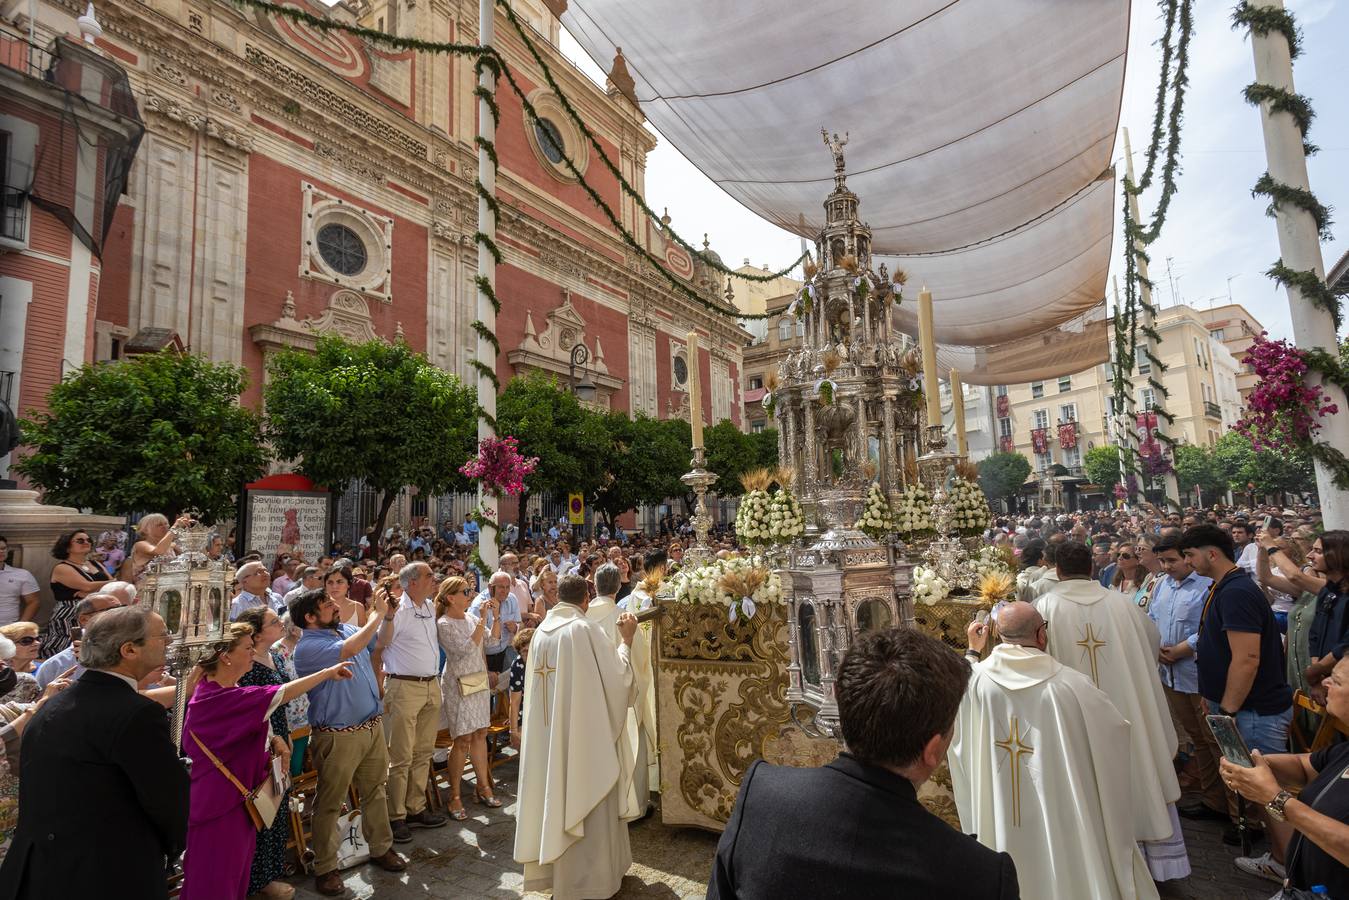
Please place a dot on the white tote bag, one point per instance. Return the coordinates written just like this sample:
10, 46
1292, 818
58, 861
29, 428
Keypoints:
352, 850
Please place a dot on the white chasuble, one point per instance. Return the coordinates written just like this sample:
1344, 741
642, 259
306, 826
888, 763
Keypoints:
1101, 633
1040, 769
633, 795
569, 831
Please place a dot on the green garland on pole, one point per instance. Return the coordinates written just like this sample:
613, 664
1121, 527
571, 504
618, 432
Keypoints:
1296, 105
1285, 195
1264, 19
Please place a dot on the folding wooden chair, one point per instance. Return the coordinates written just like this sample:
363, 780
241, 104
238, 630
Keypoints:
1325, 732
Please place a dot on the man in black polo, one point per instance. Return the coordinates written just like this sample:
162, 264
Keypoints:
1240, 656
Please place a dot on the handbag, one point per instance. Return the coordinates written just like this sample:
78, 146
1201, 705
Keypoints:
262, 803
473, 684
352, 849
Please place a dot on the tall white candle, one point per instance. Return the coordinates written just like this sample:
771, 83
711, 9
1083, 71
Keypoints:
695, 391
958, 411
928, 342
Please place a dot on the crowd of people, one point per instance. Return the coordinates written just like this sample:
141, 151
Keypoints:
1076, 731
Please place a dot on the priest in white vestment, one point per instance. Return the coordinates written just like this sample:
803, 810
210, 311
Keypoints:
604, 611
1040, 769
1101, 633
642, 723
569, 830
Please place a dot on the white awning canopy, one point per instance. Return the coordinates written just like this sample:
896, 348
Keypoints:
980, 135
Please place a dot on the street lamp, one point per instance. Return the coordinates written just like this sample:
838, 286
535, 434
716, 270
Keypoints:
585, 389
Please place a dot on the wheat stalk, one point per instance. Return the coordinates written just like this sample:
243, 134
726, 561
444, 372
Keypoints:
849, 262
901, 277
995, 586
968, 471
831, 361
810, 269
756, 479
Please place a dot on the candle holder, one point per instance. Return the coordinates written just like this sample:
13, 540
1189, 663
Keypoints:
699, 479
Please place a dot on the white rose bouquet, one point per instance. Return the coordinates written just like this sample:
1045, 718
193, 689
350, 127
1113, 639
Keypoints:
913, 518
928, 587
990, 561
877, 518
969, 507
752, 523
785, 521
736, 583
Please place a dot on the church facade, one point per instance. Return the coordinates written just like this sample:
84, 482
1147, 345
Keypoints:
293, 182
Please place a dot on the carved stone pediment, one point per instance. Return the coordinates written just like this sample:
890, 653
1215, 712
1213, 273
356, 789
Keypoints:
346, 315
564, 328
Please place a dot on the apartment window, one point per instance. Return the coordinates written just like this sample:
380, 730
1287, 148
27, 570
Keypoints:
1068, 412
1144, 364
1041, 417
1065, 384
1072, 456
1037, 390
1005, 427
758, 426
800, 327
1000, 390
1219, 334
13, 202
1043, 461
785, 328
1147, 398
756, 383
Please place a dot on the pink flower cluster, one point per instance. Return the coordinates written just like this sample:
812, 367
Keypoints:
1282, 410
499, 467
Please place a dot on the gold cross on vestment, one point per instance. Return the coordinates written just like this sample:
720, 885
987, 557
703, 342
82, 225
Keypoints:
1091, 643
1015, 750
543, 670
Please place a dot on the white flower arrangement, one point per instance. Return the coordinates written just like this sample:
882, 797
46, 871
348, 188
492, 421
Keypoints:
752, 519
989, 561
785, 521
736, 583
877, 518
969, 507
914, 515
928, 587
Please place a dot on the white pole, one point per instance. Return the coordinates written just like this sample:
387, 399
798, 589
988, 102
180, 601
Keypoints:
1145, 317
1300, 247
487, 398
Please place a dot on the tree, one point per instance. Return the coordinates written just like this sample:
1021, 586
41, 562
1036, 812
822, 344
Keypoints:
371, 411
730, 454
571, 442
162, 432
1001, 475
1250, 472
765, 447
646, 458
1198, 467
1101, 465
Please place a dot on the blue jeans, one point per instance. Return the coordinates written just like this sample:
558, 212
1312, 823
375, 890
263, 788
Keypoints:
1268, 734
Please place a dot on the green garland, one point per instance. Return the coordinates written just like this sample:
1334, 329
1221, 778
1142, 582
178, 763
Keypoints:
1168, 50
1310, 285
1285, 196
624, 184
369, 34
1263, 19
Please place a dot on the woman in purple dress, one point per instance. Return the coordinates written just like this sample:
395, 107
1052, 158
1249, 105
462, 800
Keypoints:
233, 722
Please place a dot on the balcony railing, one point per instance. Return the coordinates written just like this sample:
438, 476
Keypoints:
1212, 411
17, 53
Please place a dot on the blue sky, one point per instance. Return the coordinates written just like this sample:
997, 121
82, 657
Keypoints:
1215, 228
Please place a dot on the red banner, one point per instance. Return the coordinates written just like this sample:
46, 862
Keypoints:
1147, 421
1008, 445
1068, 435
1004, 406
1039, 440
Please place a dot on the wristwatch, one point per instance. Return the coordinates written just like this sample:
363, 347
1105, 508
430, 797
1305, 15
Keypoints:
1223, 712
1276, 805
1271, 550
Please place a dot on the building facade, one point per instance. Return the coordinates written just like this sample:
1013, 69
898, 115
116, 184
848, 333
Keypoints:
294, 182
1236, 329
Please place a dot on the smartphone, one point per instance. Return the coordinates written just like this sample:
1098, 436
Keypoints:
1229, 740
76, 633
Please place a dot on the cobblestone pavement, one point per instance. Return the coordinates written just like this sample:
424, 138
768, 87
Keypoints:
473, 859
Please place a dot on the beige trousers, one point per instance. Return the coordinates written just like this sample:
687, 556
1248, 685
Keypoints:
411, 719
344, 759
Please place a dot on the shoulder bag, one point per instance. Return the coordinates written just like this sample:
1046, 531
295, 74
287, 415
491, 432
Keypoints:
473, 684
1290, 892
262, 803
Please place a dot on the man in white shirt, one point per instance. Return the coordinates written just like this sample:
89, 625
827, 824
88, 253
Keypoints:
1248, 559
256, 590
310, 579
524, 597
112, 595
498, 592
411, 659
18, 590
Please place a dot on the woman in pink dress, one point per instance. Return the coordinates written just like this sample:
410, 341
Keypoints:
233, 723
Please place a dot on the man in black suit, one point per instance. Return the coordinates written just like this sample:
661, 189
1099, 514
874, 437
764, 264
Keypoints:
102, 794
854, 829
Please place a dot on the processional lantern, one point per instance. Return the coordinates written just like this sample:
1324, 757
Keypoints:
189, 590
848, 413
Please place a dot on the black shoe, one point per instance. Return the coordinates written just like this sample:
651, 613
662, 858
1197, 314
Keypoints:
1201, 811
426, 819
402, 834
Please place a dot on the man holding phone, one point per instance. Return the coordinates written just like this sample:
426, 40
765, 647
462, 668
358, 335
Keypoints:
1240, 658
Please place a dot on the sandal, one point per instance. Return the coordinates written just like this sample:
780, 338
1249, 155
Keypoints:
488, 801
459, 814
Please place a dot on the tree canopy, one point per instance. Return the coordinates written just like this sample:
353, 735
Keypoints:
1199, 467
161, 432
1101, 465
372, 411
1002, 474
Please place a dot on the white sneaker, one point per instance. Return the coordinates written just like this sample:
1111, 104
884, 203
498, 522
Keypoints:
1262, 866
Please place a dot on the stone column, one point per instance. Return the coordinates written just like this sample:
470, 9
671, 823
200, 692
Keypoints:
808, 443
787, 443
889, 467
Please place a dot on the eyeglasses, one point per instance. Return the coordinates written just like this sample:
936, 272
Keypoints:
1126, 556
27, 640
80, 541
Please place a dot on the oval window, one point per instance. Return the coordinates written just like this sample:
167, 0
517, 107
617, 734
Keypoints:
550, 140
681, 370
342, 249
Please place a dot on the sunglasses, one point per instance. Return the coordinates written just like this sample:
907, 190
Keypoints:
1126, 556
80, 541
27, 640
